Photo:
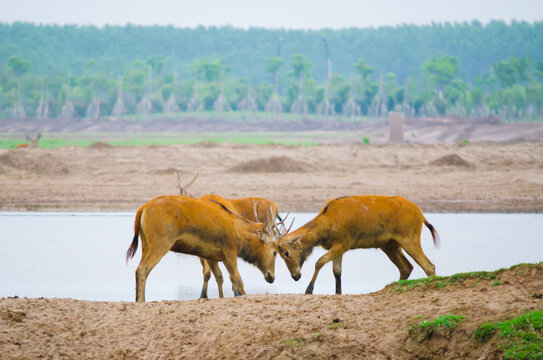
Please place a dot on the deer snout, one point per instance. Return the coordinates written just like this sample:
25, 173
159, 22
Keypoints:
297, 276
270, 278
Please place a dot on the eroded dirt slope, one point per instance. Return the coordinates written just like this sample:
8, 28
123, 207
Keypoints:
373, 326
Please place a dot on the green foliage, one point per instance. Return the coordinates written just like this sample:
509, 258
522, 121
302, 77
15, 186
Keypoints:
363, 69
494, 62
366, 140
18, 65
441, 70
443, 281
522, 336
274, 64
207, 70
447, 322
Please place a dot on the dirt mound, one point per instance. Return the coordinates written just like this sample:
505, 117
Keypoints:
100, 145
383, 325
37, 163
452, 160
273, 164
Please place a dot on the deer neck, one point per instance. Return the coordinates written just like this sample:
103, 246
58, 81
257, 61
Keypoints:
249, 247
313, 234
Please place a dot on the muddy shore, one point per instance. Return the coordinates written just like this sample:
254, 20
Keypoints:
370, 326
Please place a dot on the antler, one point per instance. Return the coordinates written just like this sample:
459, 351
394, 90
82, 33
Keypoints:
281, 229
183, 189
256, 210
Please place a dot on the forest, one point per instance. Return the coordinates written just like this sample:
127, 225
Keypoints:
463, 69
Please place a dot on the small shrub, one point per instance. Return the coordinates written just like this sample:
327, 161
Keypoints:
366, 140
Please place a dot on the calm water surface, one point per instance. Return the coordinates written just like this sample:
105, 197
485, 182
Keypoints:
82, 256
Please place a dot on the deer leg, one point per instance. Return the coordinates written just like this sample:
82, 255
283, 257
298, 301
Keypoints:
149, 259
412, 246
214, 266
330, 255
395, 254
336, 267
232, 266
207, 275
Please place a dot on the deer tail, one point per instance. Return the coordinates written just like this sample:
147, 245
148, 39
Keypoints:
134, 246
435, 235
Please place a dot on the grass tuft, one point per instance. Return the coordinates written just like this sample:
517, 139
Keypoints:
522, 336
443, 281
448, 322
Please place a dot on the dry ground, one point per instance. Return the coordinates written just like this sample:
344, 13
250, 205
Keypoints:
487, 177
505, 177
371, 326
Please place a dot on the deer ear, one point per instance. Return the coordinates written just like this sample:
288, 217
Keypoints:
262, 236
296, 240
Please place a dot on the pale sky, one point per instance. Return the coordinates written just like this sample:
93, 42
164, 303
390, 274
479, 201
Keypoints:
289, 14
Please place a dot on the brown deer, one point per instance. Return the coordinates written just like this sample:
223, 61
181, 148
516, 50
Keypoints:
186, 225
353, 222
239, 208
247, 208
33, 140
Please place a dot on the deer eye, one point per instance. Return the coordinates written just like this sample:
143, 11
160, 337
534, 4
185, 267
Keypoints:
286, 253
274, 253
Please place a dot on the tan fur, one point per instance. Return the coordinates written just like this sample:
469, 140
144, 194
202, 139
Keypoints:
388, 223
186, 225
243, 208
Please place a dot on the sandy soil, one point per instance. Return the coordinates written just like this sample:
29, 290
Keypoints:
371, 326
485, 177
438, 174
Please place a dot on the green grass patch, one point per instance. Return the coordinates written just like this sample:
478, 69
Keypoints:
11, 140
443, 281
447, 322
522, 336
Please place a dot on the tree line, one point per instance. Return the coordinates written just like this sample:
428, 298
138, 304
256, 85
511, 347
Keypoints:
292, 78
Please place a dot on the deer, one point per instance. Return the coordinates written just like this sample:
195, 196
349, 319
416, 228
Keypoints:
389, 223
33, 140
247, 208
239, 208
190, 226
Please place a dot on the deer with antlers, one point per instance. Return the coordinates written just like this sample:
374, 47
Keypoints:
353, 222
212, 231
255, 209
33, 140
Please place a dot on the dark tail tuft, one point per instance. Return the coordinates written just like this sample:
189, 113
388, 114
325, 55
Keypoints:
134, 246
435, 235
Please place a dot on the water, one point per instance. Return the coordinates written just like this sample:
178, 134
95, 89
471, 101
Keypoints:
82, 256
